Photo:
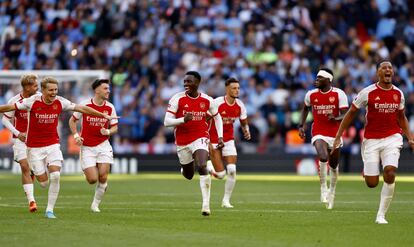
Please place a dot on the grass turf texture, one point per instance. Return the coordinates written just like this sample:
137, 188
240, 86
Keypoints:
164, 210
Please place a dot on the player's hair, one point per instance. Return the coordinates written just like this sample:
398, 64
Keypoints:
381, 62
28, 79
231, 80
48, 80
195, 74
327, 70
99, 82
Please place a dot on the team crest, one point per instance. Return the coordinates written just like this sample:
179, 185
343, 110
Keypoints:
395, 97
202, 105
54, 107
331, 99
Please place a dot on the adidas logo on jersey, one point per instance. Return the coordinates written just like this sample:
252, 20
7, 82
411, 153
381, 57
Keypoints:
186, 105
377, 98
223, 112
316, 101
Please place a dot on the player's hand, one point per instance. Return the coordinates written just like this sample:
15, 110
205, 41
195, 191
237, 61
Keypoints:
188, 116
246, 133
78, 139
105, 132
302, 133
22, 137
220, 143
331, 116
110, 117
411, 143
336, 144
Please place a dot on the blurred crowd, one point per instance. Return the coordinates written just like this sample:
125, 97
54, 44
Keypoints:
273, 47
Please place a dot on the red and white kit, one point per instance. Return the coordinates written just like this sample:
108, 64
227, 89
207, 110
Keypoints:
323, 104
382, 136
229, 114
19, 119
42, 137
96, 147
193, 134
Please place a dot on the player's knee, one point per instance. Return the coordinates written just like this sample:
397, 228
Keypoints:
371, 182
323, 158
54, 176
231, 169
44, 184
92, 180
221, 175
103, 178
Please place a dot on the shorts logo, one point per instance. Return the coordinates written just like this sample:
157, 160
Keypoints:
395, 97
202, 106
331, 99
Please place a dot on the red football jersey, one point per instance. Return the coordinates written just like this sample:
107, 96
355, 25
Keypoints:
43, 119
91, 125
382, 107
197, 128
323, 104
229, 114
19, 116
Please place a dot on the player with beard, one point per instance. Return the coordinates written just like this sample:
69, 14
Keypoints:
329, 105
385, 123
230, 109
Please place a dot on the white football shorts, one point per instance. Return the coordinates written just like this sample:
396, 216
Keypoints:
385, 151
101, 153
185, 153
327, 139
40, 158
229, 148
19, 150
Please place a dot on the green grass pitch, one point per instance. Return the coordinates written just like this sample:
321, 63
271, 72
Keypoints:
164, 210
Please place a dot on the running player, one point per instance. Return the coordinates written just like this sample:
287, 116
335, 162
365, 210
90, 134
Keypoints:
187, 112
329, 105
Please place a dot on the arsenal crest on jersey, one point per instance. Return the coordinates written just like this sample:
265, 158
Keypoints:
395, 97
54, 107
202, 105
331, 99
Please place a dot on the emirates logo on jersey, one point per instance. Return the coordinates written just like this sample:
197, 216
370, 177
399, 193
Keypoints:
331, 99
395, 97
202, 105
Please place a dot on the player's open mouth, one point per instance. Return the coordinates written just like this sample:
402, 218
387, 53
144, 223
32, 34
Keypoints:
187, 88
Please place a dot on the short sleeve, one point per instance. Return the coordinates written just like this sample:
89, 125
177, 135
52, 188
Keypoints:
343, 100
361, 100
243, 111
66, 104
307, 99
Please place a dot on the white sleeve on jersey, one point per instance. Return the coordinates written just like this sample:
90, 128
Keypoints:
213, 110
78, 115
113, 121
402, 102
307, 99
343, 99
66, 104
243, 111
173, 104
9, 125
27, 103
361, 100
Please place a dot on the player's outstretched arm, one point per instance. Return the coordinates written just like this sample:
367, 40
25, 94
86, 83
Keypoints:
7, 108
91, 111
